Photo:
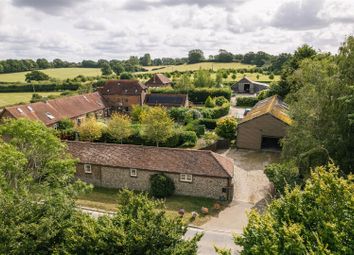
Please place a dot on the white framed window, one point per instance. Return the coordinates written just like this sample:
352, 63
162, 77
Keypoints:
186, 178
133, 173
88, 169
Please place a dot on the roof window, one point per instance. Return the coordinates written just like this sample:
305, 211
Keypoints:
49, 115
30, 108
20, 110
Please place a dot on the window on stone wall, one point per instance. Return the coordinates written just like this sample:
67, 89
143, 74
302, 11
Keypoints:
87, 168
133, 173
186, 178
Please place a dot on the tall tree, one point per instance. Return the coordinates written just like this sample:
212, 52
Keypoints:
36, 76
317, 220
145, 60
120, 126
202, 78
156, 125
195, 56
184, 83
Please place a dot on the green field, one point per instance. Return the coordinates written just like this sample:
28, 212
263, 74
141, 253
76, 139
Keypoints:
21, 97
58, 73
197, 66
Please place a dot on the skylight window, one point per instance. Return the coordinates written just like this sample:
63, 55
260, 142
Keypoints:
86, 98
49, 115
30, 108
20, 110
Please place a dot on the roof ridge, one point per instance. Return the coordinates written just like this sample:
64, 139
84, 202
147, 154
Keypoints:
215, 155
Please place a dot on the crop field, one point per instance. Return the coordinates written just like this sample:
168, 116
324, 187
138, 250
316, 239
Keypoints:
21, 97
194, 67
58, 73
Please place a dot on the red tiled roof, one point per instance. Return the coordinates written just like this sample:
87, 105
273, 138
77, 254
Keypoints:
122, 87
158, 80
197, 162
54, 110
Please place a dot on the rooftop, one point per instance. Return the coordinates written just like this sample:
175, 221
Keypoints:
122, 87
196, 162
166, 99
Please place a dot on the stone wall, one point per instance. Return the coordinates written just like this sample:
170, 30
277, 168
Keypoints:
201, 186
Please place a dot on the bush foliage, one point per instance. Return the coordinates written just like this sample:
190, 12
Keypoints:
161, 186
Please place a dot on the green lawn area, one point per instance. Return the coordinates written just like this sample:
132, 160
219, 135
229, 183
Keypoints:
105, 199
20, 97
58, 73
197, 66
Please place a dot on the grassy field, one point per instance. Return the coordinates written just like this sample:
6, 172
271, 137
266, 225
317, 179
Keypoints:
197, 66
105, 199
21, 97
58, 73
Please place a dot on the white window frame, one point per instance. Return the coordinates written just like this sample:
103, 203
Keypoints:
87, 168
186, 178
133, 172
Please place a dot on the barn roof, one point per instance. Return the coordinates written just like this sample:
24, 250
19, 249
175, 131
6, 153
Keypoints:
166, 99
54, 110
197, 162
271, 105
251, 81
122, 87
158, 80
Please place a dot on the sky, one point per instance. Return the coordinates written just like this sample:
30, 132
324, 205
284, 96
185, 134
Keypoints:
116, 29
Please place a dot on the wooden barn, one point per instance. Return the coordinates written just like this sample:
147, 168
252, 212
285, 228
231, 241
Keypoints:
264, 125
246, 85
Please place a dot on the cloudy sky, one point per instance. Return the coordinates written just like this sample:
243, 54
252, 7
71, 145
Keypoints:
93, 29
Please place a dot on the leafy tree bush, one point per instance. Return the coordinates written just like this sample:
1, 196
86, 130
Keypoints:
90, 130
246, 101
316, 220
219, 101
184, 83
119, 126
208, 123
188, 138
126, 76
221, 111
209, 102
106, 69
137, 110
226, 127
195, 56
282, 176
196, 127
36, 76
65, 124
271, 76
202, 78
180, 114
156, 125
161, 186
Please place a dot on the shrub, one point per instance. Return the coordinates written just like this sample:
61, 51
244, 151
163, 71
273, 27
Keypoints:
263, 94
226, 127
219, 101
246, 101
221, 111
208, 123
188, 138
65, 124
90, 130
209, 102
161, 186
126, 76
196, 127
179, 114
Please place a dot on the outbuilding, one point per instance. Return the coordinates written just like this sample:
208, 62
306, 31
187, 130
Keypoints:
264, 125
247, 86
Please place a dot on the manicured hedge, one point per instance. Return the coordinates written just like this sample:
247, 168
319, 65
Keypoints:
208, 123
197, 95
246, 101
41, 87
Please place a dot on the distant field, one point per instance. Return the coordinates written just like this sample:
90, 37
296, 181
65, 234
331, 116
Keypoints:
193, 67
16, 98
58, 73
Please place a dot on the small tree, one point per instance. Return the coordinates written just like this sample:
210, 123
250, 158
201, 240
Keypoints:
106, 69
156, 125
271, 76
219, 101
161, 186
90, 130
65, 124
36, 76
184, 83
234, 76
137, 110
257, 76
202, 78
126, 76
120, 126
218, 79
209, 102
226, 127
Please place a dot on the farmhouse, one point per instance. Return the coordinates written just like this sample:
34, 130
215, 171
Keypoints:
264, 125
52, 111
246, 85
121, 95
158, 80
167, 100
194, 172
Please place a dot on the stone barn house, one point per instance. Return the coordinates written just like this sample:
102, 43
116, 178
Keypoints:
158, 80
264, 125
50, 112
194, 172
247, 86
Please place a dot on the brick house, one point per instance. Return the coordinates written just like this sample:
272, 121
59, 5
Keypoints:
166, 100
121, 95
194, 172
50, 112
158, 80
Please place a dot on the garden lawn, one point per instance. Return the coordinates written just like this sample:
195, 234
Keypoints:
20, 97
194, 67
106, 199
58, 73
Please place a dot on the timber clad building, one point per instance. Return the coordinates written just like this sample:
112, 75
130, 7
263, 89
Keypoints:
264, 125
194, 172
247, 86
158, 80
